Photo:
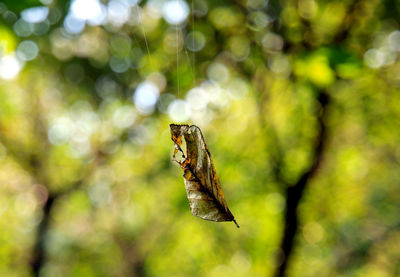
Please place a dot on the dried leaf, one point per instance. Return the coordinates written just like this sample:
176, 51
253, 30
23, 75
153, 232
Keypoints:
204, 192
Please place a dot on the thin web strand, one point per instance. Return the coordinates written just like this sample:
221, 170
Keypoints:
177, 57
193, 53
145, 37
192, 62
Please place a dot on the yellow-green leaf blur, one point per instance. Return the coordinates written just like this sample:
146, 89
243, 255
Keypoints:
299, 102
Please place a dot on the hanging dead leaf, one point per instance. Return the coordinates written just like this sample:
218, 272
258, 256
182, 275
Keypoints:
204, 192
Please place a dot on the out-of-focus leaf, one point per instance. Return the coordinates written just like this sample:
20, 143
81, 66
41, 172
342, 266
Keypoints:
204, 192
8, 42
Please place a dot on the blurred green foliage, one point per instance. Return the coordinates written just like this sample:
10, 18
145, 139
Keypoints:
88, 89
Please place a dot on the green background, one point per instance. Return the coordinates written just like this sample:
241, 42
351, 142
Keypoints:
295, 98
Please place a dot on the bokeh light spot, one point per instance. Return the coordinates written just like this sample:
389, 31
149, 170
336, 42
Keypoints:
35, 14
313, 232
27, 50
60, 130
279, 64
145, 97
124, 117
119, 65
272, 43
374, 58
73, 25
218, 72
179, 111
175, 11
195, 41
23, 28
117, 12
197, 99
394, 40
86, 9
238, 88
9, 67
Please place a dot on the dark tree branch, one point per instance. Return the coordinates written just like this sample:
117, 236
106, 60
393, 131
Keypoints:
38, 258
33, 162
39, 253
295, 192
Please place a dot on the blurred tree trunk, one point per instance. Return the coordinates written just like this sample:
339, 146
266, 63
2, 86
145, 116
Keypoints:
39, 252
295, 192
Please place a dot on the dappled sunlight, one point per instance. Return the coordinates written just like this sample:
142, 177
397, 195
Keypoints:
298, 102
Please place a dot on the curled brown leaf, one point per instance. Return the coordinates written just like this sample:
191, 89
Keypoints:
205, 195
